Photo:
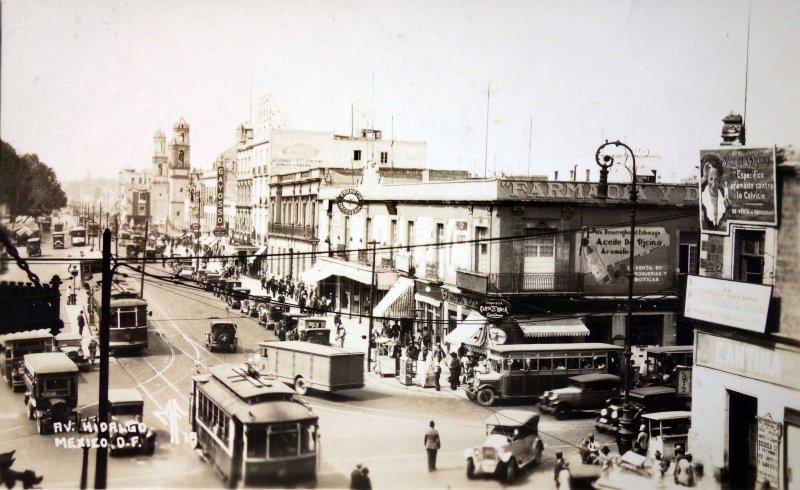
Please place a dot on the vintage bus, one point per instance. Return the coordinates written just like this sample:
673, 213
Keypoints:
91, 267
128, 326
251, 427
525, 371
661, 362
14, 346
77, 236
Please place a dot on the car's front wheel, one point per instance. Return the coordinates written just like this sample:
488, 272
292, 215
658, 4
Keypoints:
562, 411
470, 469
486, 397
511, 472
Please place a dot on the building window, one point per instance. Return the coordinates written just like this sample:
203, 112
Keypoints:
688, 252
749, 260
393, 238
368, 232
177, 213
481, 258
410, 233
357, 155
384, 157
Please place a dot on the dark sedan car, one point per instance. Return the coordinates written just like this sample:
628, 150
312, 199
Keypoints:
643, 400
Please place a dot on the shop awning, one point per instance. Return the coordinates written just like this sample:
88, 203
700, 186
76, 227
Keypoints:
354, 271
261, 251
314, 274
566, 327
425, 299
468, 328
402, 288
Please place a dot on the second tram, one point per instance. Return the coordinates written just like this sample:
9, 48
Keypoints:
78, 236
252, 428
129, 315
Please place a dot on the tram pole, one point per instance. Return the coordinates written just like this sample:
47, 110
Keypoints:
101, 465
371, 307
144, 257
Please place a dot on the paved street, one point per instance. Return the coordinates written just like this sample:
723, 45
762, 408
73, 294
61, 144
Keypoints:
380, 426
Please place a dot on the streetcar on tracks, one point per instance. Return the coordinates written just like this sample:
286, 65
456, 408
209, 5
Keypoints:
91, 266
251, 428
129, 316
14, 346
77, 236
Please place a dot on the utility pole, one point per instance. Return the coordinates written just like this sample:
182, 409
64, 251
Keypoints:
371, 307
101, 465
144, 257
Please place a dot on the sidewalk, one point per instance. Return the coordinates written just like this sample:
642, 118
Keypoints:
356, 341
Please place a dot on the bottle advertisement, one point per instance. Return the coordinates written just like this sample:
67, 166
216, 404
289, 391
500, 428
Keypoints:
605, 253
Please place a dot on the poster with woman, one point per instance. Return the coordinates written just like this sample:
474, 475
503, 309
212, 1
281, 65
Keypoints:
737, 185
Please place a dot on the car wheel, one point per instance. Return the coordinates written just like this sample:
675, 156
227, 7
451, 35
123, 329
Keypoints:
511, 472
470, 469
486, 397
562, 412
537, 460
300, 385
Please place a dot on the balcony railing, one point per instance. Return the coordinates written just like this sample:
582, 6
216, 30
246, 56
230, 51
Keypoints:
298, 231
523, 282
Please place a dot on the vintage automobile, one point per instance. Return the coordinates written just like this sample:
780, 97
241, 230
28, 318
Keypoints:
276, 313
236, 297
58, 239
250, 306
51, 389
34, 247
211, 280
585, 393
642, 400
512, 443
127, 431
185, 272
71, 344
221, 336
314, 329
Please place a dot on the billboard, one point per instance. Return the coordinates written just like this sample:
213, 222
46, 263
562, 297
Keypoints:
737, 185
219, 199
730, 303
605, 253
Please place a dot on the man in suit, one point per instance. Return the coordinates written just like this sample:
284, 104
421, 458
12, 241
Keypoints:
432, 445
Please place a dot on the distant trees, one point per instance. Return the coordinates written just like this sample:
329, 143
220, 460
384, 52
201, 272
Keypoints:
28, 186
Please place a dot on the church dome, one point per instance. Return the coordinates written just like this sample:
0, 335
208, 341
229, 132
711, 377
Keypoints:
181, 124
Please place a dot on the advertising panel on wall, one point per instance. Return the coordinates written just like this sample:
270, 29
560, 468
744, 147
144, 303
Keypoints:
295, 151
737, 185
605, 256
219, 200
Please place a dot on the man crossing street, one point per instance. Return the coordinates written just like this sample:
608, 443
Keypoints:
432, 445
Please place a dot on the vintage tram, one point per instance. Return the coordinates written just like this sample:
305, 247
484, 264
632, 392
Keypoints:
129, 316
252, 428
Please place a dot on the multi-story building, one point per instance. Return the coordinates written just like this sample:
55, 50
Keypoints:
243, 230
745, 309
552, 249
211, 195
134, 197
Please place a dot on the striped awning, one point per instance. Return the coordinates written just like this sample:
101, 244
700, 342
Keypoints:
566, 327
396, 302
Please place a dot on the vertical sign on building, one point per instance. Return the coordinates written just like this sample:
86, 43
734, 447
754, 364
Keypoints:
219, 227
768, 452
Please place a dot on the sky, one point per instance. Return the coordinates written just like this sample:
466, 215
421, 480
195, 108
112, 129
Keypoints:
86, 84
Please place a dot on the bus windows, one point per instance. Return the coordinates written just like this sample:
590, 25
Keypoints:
516, 364
530, 365
586, 363
545, 364
573, 362
600, 362
559, 364
256, 442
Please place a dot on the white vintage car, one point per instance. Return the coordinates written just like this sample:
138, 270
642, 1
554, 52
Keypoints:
512, 443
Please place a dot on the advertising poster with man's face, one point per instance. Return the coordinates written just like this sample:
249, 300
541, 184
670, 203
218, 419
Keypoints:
737, 185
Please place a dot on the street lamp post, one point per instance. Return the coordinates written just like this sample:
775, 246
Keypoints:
73, 296
625, 434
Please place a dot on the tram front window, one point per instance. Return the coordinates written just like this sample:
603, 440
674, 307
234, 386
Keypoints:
256, 443
283, 441
127, 318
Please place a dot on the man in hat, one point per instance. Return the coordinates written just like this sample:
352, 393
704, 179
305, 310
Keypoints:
432, 445
640, 446
81, 323
561, 465
356, 478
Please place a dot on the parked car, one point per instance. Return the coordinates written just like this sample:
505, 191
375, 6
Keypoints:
34, 247
71, 344
314, 329
585, 393
643, 400
512, 443
185, 272
51, 389
222, 336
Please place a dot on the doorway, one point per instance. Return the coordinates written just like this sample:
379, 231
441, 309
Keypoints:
742, 438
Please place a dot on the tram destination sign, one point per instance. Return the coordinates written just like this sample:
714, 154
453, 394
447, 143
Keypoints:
494, 309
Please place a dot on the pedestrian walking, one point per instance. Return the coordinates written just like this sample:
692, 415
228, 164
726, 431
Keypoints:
340, 335
561, 465
366, 484
432, 445
93, 350
455, 371
437, 371
640, 445
356, 478
81, 323
337, 319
